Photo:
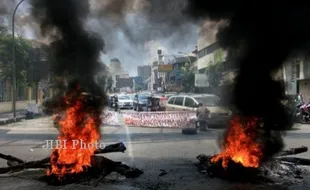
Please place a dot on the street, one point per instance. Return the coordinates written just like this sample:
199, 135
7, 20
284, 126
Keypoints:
149, 149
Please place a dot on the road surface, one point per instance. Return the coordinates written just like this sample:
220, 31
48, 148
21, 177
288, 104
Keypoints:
147, 148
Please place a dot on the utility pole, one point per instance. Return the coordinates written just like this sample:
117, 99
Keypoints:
160, 61
14, 61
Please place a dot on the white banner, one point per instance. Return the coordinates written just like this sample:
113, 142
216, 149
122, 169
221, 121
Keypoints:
151, 119
201, 80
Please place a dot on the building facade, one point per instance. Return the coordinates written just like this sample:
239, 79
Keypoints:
117, 72
296, 76
144, 71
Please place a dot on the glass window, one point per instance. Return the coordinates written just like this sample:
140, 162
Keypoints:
189, 102
143, 97
131, 97
171, 100
298, 70
178, 101
124, 98
208, 100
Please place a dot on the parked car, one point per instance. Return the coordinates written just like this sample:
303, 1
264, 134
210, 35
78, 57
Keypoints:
125, 102
131, 96
140, 102
218, 114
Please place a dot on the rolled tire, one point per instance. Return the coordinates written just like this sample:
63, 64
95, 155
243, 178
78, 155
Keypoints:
189, 131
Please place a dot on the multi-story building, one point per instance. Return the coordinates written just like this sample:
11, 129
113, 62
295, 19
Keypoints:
174, 78
144, 71
117, 72
144, 74
124, 84
166, 70
115, 66
212, 59
296, 76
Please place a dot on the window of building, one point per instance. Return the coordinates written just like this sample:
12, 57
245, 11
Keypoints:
178, 101
298, 70
189, 102
201, 53
211, 48
202, 71
207, 50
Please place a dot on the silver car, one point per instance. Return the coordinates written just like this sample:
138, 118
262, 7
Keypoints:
218, 114
125, 102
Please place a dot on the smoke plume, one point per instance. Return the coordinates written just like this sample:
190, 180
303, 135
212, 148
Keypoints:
267, 33
126, 25
74, 57
6, 6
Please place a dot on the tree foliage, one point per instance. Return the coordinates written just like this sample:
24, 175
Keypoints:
214, 75
22, 57
214, 71
188, 72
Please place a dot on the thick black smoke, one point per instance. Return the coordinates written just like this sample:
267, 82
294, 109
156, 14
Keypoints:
267, 32
74, 56
153, 19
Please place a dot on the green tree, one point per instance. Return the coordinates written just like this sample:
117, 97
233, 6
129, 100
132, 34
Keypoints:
22, 57
214, 71
188, 73
214, 75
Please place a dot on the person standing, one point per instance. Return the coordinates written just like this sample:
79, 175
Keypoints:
203, 114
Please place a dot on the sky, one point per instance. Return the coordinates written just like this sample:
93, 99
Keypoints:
134, 40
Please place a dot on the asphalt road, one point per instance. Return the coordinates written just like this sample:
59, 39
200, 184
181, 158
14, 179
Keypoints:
150, 149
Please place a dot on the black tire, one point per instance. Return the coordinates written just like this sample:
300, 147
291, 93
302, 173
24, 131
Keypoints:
302, 119
189, 131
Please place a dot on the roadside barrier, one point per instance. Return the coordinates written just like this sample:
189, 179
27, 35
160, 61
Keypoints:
110, 118
171, 119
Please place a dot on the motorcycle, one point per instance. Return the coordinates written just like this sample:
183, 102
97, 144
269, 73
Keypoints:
115, 105
303, 114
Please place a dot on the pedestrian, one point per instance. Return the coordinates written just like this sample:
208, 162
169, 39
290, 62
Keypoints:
203, 114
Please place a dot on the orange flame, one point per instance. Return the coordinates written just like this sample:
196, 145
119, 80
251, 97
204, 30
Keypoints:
79, 133
241, 144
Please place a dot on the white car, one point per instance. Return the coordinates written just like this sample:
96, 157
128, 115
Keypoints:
125, 102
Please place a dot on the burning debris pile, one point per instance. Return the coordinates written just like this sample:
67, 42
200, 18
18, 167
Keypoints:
79, 102
243, 159
62, 173
253, 138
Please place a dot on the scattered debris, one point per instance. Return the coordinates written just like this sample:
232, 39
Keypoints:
162, 173
100, 167
276, 169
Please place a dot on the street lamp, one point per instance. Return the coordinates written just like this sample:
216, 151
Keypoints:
14, 61
188, 56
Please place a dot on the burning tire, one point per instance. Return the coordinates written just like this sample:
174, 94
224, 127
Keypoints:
189, 131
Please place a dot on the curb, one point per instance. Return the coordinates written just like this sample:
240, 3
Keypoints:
12, 120
16, 119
